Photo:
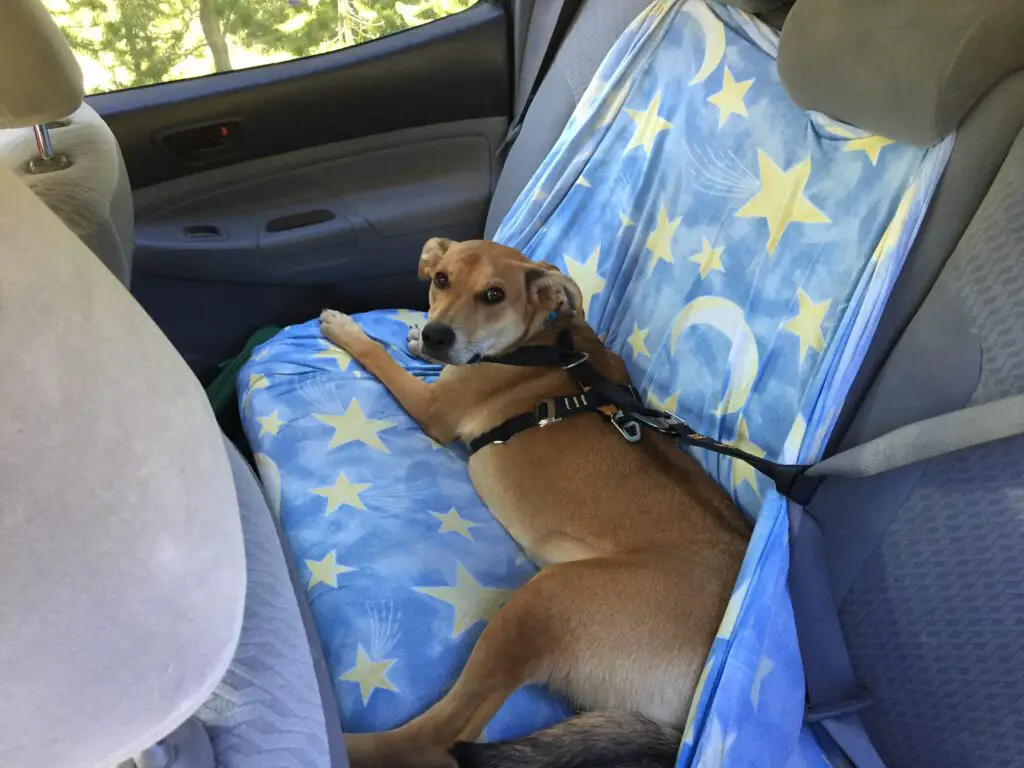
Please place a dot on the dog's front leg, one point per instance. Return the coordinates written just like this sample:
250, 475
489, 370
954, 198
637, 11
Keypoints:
416, 396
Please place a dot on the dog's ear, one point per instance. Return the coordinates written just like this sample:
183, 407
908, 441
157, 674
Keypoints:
551, 291
433, 250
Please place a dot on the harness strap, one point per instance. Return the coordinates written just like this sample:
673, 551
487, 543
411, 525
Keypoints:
548, 412
791, 480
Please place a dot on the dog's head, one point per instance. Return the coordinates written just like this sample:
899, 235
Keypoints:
486, 299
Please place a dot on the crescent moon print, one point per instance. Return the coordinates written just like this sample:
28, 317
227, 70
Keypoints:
726, 317
714, 39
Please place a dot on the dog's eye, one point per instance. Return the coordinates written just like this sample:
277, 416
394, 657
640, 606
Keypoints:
441, 280
494, 295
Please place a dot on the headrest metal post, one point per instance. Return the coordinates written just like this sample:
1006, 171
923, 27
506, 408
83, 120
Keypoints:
43, 143
47, 160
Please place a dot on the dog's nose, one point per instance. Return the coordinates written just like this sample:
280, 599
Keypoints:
438, 337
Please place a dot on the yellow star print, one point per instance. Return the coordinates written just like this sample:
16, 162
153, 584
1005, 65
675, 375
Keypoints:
434, 445
256, 381
352, 425
648, 125
626, 222
741, 471
582, 181
326, 571
697, 693
806, 324
407, 316
341, 493
659, 242
338, 355
472, 603
269, 425
637, 340
781, 199
453, 522
892, 233
729, 100
709, 259
614, 106
869, 145
370, 675
669, 404
584, 274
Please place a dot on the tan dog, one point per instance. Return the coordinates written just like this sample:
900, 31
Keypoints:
638, 547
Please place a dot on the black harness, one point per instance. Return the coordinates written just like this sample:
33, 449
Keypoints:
622, 406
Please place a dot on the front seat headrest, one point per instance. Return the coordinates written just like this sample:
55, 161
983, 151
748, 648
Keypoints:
906, 69
41, 78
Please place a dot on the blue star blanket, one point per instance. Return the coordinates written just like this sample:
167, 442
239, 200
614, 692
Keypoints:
736, 251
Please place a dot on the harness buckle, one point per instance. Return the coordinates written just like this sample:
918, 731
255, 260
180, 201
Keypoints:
626, 426
544, 412
578, 361
665, 422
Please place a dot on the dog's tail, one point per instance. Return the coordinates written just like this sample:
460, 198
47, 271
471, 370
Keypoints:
598, 740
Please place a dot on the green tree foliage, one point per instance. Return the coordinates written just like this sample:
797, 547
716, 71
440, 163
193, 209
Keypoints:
141, 42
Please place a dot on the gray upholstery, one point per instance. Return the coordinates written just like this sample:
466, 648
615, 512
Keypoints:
122, 574
596, 27
41, 78
982, 143
92, 195
268, 712
928, 562
758, 6
909, 70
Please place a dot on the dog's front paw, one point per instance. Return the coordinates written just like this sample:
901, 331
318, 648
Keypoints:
341, 329
415, 342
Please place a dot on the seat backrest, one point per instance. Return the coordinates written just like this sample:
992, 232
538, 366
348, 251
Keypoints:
597, 25
88, 187
122, 569
926, 562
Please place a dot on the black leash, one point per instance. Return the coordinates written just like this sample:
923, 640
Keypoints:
623, 407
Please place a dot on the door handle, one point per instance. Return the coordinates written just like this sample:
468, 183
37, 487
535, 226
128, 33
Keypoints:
203, 144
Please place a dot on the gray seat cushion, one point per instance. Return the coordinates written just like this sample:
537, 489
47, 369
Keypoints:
269, 711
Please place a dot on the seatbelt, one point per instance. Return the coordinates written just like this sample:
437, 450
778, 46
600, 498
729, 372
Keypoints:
566, 13
833, 697
928, 439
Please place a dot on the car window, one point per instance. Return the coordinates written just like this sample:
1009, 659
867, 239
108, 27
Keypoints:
127, 43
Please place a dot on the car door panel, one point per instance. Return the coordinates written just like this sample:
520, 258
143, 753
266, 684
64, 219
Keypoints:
350, 211
334, 170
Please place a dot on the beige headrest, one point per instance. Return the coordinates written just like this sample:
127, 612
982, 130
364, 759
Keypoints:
906, 69
39, 77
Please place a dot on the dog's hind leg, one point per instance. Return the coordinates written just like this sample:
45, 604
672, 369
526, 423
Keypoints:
512, 650
624, 632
